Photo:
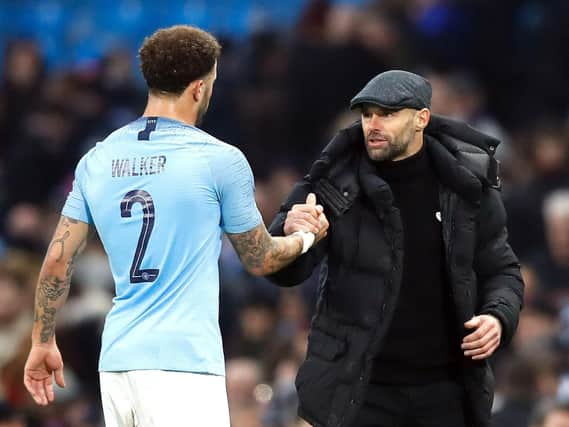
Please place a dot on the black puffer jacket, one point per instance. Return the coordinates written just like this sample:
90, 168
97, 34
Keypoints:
363, 253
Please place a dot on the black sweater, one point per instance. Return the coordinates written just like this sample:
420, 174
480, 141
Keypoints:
421, 344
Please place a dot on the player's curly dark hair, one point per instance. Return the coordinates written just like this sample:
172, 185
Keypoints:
172, 58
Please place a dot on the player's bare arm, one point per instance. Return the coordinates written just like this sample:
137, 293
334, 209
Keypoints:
44, 360
263, 254
68, 241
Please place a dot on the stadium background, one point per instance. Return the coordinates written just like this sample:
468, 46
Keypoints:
69, 76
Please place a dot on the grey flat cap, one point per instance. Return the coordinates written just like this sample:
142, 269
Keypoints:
395, 89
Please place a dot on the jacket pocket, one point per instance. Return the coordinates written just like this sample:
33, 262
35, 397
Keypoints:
325, 346
317, 378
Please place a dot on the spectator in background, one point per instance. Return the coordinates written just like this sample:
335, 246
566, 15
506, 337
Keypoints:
243, 376
116, 84
548, 149
552, 264
42, 157
18, 274
460, 95
15, 316
282, 409
34, 170
556, 215
262, 103
321, 44
527, 376
23, 76
257, 320
442, 29
15, 321
11, 417
551, 415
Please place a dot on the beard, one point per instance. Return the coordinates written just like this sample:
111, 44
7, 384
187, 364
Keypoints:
203, 109
393, 146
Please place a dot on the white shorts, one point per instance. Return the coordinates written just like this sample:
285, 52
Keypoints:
163, 399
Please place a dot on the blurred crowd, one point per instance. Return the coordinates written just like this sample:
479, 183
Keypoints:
280, 95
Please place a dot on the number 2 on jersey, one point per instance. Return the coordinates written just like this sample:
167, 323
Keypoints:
140, 196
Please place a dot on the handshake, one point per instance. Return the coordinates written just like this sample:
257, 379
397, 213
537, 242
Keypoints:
307, 218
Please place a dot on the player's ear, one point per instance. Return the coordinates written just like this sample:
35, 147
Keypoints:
197, 89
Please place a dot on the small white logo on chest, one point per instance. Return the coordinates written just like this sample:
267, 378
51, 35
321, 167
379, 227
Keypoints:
438, 216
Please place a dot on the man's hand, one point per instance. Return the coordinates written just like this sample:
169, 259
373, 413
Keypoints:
482, 343
308, 217
44, 362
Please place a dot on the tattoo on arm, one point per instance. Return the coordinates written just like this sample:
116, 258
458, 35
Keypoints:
60, 241
50, 289
55, 277
263, 254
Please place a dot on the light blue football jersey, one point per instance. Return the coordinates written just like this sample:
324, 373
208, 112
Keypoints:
160, 193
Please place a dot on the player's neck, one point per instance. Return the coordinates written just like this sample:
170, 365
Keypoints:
171, 108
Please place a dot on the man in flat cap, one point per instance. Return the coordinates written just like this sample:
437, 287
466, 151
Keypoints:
418, 285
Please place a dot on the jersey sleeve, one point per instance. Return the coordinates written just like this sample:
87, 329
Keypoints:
76, 206
236, 192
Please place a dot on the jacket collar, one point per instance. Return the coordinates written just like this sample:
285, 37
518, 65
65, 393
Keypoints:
452, 173
375, 188
346, 151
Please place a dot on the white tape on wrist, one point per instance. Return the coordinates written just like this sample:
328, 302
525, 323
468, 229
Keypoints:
307, 239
